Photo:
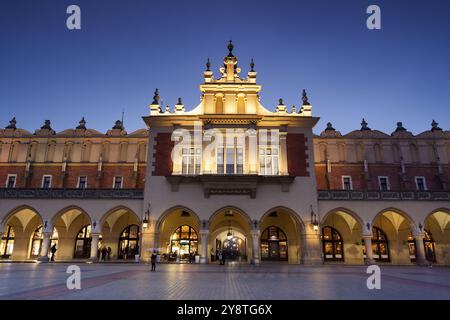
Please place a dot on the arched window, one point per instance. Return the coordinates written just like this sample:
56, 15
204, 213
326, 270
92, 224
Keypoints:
129, 242
274, 245
83, 243
380, 246
332, 244
36, 242
428, 244
7, 243
183, 242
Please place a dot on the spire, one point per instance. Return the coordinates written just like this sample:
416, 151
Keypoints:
435, 127
364, 126
330, 127
12, 124
400, 127
230, 49
82, 125
305, 98
156, 97
252, 66
208, 65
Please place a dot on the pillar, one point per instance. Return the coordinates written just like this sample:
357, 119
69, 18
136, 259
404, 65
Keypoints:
255, 246
94, 246
283, 154
420, 249
43, 255
204, 237
369, 252
312, 249
149, 241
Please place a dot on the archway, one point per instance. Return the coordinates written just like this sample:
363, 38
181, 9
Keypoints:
341, 236
393, 227
18, 227
36, 242
120, 231
73, 225
282, 240
428, 244
178, 238
437, 224
229, 235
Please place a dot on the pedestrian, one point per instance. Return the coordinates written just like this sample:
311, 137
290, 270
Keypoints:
224, 257
53, 250
153, 261
104, 252
220, 256
109, 253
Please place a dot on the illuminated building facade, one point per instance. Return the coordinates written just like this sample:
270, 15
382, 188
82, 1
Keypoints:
227, 177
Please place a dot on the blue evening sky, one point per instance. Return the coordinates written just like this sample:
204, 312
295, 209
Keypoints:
126, 49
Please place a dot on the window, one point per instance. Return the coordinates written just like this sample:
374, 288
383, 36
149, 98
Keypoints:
117, 182
383, 183
83, 243
46, 181
82, 182
380, 245
347, 183
183, 243
129, 243
332, 244
11, 181
274, 244
428, 244
268, 161
191, 161
230, 160
7, 243
421, 184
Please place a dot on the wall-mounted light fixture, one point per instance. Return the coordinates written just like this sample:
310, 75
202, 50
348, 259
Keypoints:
314, 221
146, 222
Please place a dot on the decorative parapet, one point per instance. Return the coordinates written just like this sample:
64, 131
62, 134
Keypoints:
383, 195
13, 193
230, 184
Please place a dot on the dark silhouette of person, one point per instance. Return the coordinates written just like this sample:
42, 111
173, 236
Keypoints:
108, 253
153, 261
53, 250
104, 252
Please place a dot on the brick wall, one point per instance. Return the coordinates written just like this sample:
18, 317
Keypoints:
297, 155
163, 154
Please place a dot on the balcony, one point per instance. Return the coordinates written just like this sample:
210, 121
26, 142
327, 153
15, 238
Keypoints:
245, 184
367, 195
39, 193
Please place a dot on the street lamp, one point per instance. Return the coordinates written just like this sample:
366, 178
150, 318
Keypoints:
145, 222
314, 221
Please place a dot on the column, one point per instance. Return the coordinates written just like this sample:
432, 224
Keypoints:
149, 241
43, 255
255, 246
312, 249
420, 249
204, 237
369, 252
94, 246
283, 154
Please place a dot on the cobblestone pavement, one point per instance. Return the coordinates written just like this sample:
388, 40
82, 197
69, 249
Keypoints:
184, 281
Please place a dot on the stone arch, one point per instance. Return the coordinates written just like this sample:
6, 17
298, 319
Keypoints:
12, 212
233, 208
169, 211
437, 223
291, 224
350, 226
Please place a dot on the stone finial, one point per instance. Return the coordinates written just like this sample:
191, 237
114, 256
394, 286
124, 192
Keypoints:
179, 102
230, 49
400, 127
208, 65
330, 127
364, 126
12, 124
435, 127
252, 66
280, 102
156, 97
305, 98
82, 125
46, 125
118, 125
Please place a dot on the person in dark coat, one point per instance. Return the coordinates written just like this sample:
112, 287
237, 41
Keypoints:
108, 253
104, 252
153, 261
53, 250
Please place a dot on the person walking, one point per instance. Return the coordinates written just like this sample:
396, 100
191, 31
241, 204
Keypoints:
104, 252
108, 253
220, 256
153, 261
53, 250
